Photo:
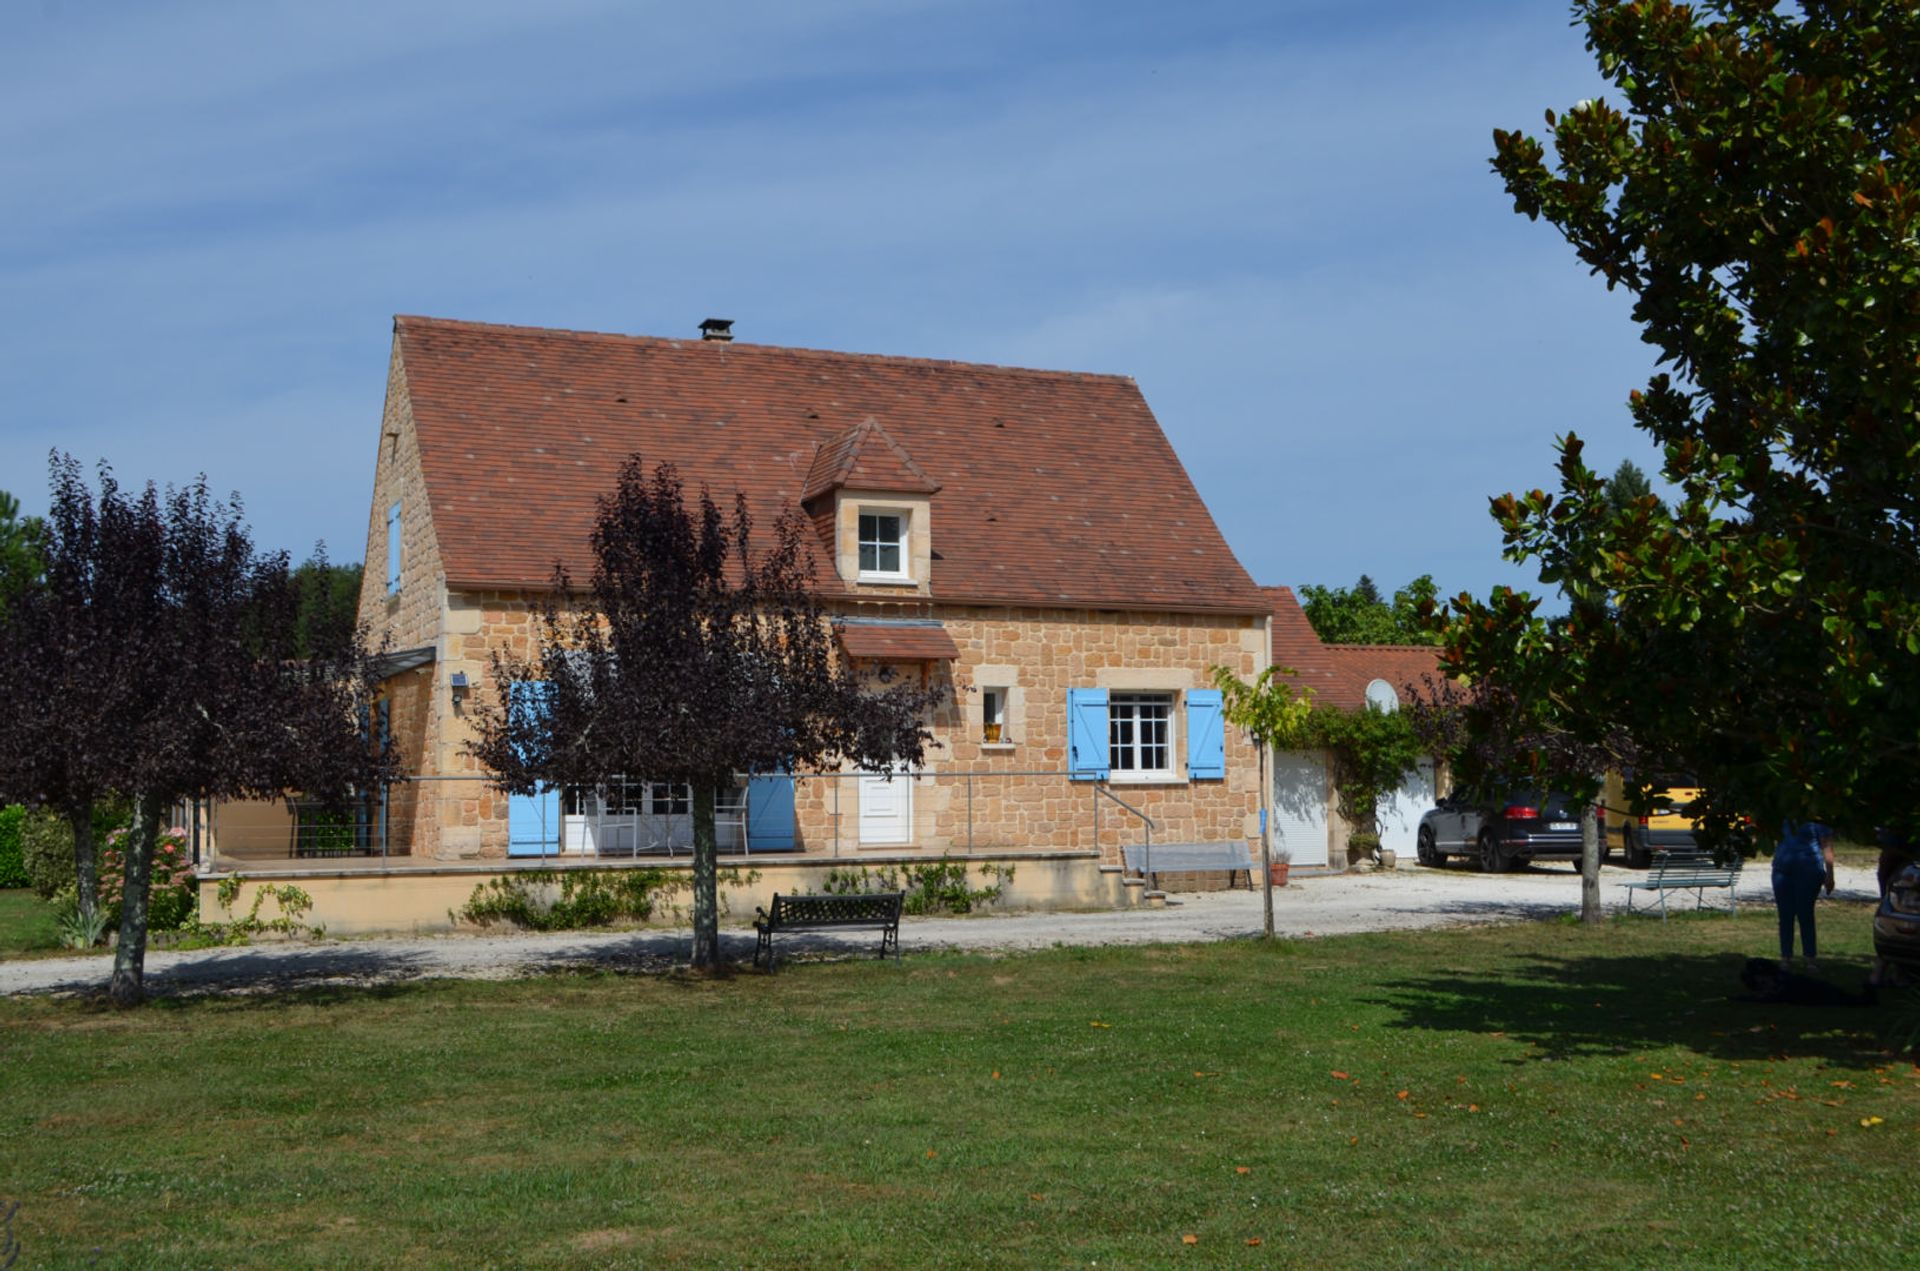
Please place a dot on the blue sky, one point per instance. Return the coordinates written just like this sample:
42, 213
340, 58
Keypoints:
1278, 217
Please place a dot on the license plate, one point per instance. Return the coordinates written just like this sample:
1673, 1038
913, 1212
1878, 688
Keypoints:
1563, 825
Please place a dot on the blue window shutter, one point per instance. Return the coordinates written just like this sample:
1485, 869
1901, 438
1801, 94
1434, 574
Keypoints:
533, 820
770, 825
1087, 758
393, 548
1206, 735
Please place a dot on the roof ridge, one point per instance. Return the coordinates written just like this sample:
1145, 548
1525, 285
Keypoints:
737, 346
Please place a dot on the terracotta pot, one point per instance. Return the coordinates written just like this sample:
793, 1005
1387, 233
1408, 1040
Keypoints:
1277, 872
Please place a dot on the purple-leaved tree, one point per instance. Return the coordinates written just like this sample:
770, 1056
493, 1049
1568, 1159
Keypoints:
155, 659
691, 658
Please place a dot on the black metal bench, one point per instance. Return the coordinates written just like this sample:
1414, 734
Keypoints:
1153, 860
826, 912
1688, 871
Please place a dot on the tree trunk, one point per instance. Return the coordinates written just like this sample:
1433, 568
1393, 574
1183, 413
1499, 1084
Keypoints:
1589, 864
86, 869
128, 987
706, 897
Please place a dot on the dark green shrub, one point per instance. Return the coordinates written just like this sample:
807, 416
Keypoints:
559, 900
13, 865
938, 887
46, 853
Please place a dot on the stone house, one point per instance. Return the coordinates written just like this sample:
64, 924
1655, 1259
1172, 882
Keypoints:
1026, 540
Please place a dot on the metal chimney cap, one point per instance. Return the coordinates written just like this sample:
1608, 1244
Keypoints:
720, 329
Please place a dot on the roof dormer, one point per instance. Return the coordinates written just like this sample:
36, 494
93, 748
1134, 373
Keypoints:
882, 508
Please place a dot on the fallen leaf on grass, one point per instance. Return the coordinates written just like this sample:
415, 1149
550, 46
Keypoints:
1867, 1123
1338, 1076
1354, 1141
1253, 1241
1036, 1196
1473, 1107
1243, 1169
1205, 1074
1189, 1239
1097, 1024
996, 1074
1401, 1095
1419, 1116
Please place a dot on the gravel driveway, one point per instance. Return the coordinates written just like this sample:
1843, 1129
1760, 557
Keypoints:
1334, 905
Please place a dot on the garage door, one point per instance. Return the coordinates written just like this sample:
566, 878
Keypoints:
1300, 805
1400, 816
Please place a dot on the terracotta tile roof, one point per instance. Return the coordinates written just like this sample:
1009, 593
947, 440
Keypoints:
890, 642
865, 458
1055, 488
1339, 674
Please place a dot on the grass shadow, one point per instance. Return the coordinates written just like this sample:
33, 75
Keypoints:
1581, 1006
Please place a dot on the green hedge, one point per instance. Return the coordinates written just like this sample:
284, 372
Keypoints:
13, 867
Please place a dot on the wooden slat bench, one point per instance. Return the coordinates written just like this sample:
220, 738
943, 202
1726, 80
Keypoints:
1188, 858
827, 912
1688, 871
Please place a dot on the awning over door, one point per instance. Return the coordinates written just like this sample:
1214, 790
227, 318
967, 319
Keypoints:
906, 640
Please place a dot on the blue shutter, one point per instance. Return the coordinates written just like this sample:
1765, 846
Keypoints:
770, 815
1087, 741
393, 548
1206, 735
533, 820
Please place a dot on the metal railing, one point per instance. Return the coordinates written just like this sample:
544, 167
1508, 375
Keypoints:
1146, 851
962, 812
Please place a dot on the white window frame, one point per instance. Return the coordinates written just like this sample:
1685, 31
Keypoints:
904, 544
1125, 741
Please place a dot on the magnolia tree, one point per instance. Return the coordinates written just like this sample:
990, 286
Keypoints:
154, 660
1755, 184
692, 657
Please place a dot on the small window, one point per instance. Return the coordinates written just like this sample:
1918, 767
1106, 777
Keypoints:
993, 716
1139, 733
394, 538
883, 545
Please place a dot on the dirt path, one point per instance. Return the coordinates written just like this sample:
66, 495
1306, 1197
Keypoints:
1334, 905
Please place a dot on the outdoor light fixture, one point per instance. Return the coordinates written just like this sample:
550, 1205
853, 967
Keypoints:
459, 683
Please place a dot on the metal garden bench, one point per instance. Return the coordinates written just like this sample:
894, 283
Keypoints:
1696, 872
826, 912
1188, 858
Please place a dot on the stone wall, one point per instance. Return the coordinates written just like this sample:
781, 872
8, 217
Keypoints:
1013, 794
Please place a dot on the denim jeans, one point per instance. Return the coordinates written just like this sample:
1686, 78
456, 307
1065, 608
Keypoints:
1796, 884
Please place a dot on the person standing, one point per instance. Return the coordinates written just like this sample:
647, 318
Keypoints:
1802, 862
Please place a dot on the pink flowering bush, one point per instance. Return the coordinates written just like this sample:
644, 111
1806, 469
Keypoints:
173, 898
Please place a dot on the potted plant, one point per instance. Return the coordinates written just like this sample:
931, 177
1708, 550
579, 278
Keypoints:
1277, 866
992, 733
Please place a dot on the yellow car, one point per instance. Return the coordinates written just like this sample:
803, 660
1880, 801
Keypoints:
1666, 825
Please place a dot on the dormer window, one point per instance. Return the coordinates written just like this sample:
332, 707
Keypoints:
883, 547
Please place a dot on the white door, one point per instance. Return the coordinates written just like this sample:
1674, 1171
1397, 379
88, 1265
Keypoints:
1400, 815
886, 809
1300, 806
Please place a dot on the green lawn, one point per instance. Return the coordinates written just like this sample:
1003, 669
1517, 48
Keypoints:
26, 925
1535, 1096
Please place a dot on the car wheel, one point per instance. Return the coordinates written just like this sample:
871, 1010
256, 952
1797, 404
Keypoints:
1424, 849
1637, 857
1491, 861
